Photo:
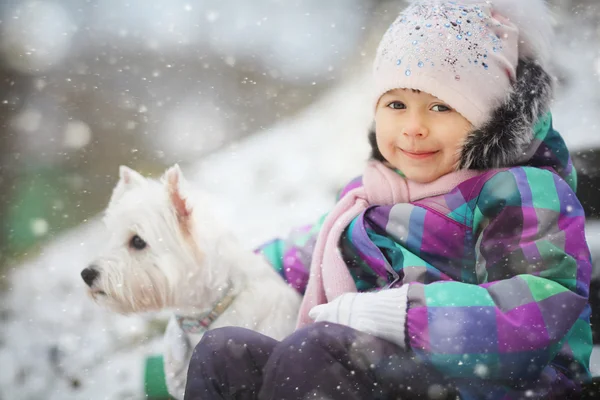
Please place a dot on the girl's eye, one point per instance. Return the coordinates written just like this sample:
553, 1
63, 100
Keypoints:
397, 105
440, 108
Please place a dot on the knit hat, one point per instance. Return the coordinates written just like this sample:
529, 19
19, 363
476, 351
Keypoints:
473, 55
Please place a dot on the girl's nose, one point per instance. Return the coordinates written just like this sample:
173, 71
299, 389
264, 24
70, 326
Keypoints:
415, 127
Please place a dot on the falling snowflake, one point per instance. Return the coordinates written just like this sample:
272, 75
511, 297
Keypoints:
77, 135
39, 227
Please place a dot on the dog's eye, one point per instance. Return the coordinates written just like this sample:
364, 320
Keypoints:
137, 243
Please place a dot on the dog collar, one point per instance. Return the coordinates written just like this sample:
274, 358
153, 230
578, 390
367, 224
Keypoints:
200, 324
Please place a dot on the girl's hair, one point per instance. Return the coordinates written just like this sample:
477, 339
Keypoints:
375, 153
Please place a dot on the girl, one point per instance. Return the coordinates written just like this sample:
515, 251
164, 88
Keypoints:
457, 265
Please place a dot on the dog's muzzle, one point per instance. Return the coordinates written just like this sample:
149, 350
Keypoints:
89, 275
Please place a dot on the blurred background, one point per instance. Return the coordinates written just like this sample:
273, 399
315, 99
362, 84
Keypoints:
89, 85
86, 86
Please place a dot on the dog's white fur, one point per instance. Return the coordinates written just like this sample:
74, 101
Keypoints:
186, 266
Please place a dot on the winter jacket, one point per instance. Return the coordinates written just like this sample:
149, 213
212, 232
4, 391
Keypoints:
498, 272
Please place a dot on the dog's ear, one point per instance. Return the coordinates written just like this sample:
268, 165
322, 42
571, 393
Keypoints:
175, 184
128, 178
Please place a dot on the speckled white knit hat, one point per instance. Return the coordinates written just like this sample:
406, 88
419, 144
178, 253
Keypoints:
465, 52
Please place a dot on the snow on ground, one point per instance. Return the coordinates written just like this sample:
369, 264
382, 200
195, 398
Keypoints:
56, 344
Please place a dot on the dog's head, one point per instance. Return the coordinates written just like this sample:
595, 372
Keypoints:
153, 259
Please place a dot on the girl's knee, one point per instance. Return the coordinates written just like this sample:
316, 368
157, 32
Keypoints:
320, 335
232, 344
325, 334
310, 359
217, 341
226, 360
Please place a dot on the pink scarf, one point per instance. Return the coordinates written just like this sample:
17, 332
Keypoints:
329, 275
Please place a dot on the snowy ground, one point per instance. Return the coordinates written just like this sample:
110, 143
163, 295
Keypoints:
56, 344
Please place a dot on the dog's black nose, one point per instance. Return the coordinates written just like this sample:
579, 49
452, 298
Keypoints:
89, 275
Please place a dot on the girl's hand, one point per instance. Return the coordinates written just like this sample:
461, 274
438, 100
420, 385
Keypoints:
381, 314
338, 311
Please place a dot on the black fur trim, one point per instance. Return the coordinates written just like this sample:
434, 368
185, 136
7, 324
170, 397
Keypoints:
504, 140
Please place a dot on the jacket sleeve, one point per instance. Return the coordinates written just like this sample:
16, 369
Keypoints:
534, 267
291, 256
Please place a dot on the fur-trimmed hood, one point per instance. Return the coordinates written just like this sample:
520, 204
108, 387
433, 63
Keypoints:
519, 131
506, 138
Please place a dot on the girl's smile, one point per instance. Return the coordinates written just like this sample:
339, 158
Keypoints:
418, 155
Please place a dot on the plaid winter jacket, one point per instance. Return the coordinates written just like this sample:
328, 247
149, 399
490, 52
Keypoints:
498, 272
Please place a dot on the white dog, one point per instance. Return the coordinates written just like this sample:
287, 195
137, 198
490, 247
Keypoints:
168, 251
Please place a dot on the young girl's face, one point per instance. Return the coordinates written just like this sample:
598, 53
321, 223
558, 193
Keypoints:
419, 134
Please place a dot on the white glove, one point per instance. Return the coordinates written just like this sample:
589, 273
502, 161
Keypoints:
381, 314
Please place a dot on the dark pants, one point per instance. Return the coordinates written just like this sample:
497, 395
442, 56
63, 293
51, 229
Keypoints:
321, 361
